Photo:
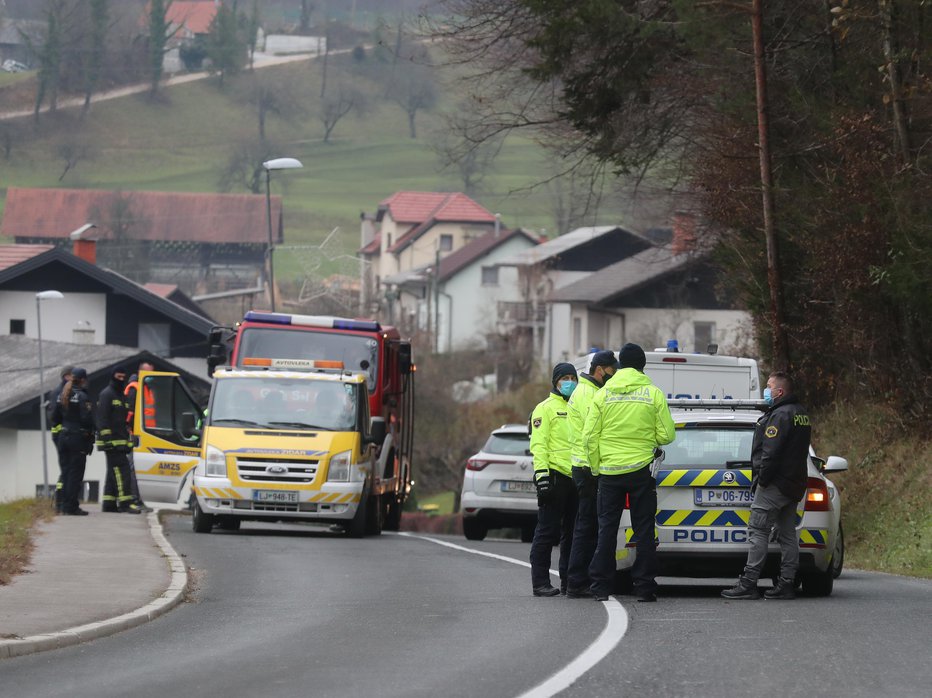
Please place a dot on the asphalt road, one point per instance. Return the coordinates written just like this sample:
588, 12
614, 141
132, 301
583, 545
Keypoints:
292, 611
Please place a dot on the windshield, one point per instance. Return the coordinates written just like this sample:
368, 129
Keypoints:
356, 352
283, 403
507, 444
709, 447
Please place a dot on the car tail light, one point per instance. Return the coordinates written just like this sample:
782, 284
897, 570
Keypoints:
817, 498
481, 463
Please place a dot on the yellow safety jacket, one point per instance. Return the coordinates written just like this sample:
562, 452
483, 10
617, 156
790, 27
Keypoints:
579, 404
550, 436
628, 418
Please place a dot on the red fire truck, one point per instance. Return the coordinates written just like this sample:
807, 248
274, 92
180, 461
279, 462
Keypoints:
364, 346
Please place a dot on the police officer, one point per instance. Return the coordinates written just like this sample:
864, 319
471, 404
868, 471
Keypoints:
779, 456
74, 411
113, 440
602, 366
627, 420
54, 419
556, 493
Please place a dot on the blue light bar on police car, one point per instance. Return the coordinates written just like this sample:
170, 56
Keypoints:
336, 323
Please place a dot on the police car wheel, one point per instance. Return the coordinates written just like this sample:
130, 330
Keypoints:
474, 530
201, 522
818, 583
838, 557
357, 526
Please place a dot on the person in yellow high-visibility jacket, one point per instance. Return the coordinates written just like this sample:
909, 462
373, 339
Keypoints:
556, 493
586, 531
627, 420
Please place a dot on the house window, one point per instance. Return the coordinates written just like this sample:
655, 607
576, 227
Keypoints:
446, 243
388, 240
577, 334
490, 276
17, 327
705, 335
155, 337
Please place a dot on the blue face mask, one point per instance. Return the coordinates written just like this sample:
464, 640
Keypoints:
566, 388
768, 396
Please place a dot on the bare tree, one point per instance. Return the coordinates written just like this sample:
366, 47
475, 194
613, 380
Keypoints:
271, 93
413, 89
472, 162
337, 104
160, 34
73, 149
243, 169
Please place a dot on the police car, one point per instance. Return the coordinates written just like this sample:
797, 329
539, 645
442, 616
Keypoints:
498, 487
704, 500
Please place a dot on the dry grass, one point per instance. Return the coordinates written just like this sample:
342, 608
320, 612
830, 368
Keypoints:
17, 519
887, 491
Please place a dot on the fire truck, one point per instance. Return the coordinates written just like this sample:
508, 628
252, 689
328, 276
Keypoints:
362, 346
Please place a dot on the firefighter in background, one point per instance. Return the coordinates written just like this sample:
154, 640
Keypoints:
54, 419
556, 493
113, 440
74, 411
148, 403
586, 532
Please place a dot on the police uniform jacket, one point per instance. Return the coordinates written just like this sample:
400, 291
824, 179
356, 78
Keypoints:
112, 430
550, 436
628, 418
780, 449
77, 420
578, 404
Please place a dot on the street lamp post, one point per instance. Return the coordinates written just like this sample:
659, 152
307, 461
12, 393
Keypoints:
268, 166
43, 296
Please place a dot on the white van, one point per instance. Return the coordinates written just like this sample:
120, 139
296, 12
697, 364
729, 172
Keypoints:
696, 376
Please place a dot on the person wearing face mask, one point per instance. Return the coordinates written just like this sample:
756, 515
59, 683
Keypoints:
627, 420
586, 532
113, 438
74, 411
779, 457
556, 493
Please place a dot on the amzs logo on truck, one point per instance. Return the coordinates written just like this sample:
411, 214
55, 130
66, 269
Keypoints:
710, 535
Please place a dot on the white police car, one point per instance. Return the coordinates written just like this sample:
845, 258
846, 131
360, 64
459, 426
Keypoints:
498, 486
704, 499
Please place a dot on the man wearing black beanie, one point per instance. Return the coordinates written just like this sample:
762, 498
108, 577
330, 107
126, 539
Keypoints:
556, 493
628, 419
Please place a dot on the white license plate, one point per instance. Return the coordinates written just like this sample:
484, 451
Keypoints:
277, 496
518, 486
723, 496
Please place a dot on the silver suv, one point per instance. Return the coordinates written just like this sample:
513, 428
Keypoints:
498, 487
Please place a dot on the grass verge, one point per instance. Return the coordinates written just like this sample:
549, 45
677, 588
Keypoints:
887, 491
17, 519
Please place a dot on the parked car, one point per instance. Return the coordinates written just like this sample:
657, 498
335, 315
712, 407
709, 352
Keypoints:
11, 66
704, 498
498, 487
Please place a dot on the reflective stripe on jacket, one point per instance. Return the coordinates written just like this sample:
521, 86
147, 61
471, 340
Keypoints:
628, 418
579, 404
550, 436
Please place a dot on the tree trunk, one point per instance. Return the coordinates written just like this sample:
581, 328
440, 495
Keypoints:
412, 128
781, 358
900, 118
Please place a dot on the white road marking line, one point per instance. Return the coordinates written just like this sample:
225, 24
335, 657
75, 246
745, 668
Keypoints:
615, 628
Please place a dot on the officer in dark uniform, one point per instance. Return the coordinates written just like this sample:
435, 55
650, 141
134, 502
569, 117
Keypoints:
75, 412
54, 419
779, 463
113, 440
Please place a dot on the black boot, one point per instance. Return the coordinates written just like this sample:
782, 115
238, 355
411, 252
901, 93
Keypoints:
744, 589
546, 590
784, 589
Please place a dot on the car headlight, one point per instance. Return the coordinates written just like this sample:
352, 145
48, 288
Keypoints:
216, 462
340, 466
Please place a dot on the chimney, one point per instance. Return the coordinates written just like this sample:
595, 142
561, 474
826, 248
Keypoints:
498, 225
684, 233
84, 246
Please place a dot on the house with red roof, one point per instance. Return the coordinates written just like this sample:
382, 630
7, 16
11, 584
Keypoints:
412, 229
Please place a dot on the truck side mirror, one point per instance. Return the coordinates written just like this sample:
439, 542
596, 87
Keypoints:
216, 349
189, 424
377, 431
404, 358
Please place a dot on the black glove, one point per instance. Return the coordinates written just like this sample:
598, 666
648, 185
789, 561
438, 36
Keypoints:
544, 485
658, 452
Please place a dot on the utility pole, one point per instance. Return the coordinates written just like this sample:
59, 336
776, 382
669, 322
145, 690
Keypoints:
437, 299
781, 356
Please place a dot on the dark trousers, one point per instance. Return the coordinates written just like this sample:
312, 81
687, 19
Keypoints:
71, 452
555, 521
60, 485
117, 492
585, 533
641, 490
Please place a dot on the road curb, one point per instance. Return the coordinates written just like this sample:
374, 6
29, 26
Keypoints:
171, 597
